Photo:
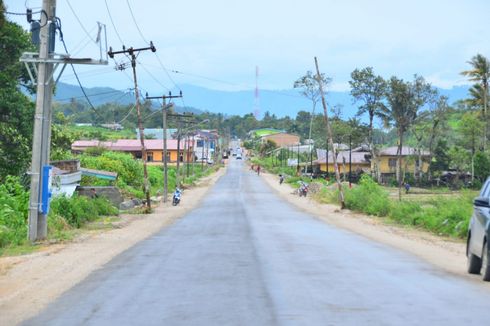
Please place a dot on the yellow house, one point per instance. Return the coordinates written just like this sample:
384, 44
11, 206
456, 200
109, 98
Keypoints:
358, 159
154, 148
388, 159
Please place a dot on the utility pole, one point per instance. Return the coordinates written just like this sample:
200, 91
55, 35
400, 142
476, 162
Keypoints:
40, 142
350, 161
164, 158
330, 136
131, 52
42, 66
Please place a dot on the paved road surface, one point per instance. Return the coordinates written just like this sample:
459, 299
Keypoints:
244, 257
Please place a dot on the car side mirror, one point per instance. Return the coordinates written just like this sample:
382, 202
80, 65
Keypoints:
481, 202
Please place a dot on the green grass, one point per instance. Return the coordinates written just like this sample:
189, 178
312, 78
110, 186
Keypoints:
90, 132
443, 214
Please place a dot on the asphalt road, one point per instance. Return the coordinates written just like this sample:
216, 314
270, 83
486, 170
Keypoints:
245, 257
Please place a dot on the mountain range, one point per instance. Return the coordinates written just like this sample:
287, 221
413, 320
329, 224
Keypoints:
199, 99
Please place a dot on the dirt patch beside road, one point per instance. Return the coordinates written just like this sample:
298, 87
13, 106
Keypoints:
445, 253
28, 283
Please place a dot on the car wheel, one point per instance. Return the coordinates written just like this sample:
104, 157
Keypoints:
485, 270
474, 263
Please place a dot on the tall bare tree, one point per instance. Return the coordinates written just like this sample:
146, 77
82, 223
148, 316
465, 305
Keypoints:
368, 88
309, 89
329, 134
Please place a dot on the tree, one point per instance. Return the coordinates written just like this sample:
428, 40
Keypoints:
16, 109
470, 128
441, 159
481, 166
267, 147
404, 101
309, 89
369, 89
480, 73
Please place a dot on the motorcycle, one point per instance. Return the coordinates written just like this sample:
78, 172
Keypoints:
176, 197
303, 189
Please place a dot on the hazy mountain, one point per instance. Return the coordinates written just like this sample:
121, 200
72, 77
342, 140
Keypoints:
281, 103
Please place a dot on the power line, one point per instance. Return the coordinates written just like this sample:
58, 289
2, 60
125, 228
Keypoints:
135, 23
156, 55
79, 22
58, 22
153, 77
112, 21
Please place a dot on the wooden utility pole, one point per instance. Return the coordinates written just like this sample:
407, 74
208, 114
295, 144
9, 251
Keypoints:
131, 52
164, 156
329, 135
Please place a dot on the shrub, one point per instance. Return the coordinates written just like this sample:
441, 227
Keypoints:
78, 210
368, 197
14, 203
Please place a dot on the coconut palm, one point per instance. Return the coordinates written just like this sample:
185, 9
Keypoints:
480, 73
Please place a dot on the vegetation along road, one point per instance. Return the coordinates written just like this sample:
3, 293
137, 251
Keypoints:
247, 257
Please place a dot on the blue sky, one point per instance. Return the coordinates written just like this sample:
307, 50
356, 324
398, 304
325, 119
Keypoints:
218, 43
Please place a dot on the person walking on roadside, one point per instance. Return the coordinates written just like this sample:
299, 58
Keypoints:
281, 179
258, 169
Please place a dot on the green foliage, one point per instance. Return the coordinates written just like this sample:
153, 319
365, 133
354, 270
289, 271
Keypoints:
16, 109
78, 210
368, 197
441, 158
482, 166
14, 201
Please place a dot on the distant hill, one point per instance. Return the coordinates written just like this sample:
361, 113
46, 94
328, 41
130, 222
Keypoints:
281, 102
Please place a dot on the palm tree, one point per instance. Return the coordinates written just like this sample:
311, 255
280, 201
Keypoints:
480, 73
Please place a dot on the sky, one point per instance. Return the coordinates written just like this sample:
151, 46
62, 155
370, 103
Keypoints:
217, 44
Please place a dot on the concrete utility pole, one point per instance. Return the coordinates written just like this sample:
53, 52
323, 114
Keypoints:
164, 158
42, 66
40, 142
329, 135
131, 52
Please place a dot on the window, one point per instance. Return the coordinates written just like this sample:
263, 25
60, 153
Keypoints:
200, 143
149, 156
392, 162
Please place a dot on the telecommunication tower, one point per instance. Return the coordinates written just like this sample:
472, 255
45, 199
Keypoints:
257, 100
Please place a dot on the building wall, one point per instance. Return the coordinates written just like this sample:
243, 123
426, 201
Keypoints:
384, 164
355, 167
158, 155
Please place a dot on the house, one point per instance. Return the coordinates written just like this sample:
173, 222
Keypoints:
358, 158
206, 142
154, 148
388, 158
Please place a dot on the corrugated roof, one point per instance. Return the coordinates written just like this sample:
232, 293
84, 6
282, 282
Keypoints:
406, 150
356, 157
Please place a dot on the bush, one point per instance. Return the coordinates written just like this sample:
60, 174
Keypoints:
14, 203
368, 197
78, 210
